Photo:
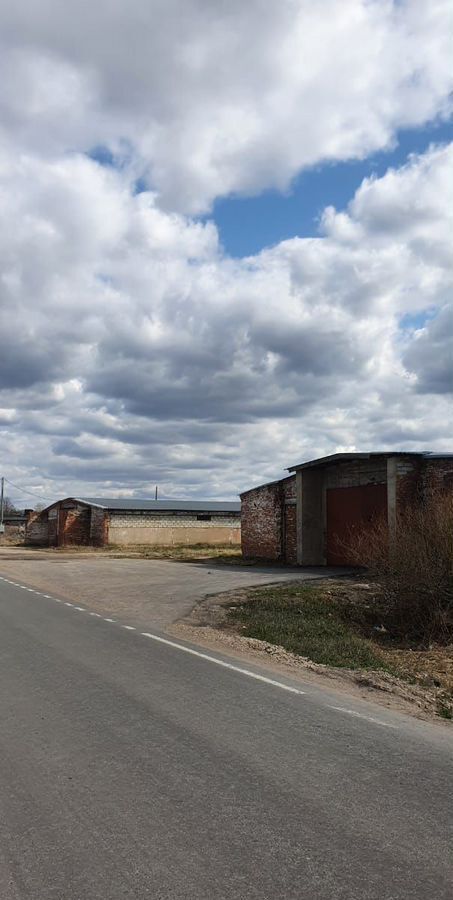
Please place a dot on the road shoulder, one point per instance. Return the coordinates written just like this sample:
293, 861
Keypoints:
205, 625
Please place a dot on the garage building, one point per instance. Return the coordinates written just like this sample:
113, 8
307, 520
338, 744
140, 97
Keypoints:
307, 517
100, 521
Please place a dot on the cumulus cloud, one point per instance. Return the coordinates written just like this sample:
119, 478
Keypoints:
135, 352
430, 354
204, 99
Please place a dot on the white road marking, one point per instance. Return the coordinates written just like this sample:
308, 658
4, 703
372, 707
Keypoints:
357, 715
220, 662
206, 656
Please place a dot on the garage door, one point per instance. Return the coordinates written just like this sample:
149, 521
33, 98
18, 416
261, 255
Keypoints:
348, 510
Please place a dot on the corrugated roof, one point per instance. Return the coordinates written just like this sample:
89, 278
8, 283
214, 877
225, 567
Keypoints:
120, 503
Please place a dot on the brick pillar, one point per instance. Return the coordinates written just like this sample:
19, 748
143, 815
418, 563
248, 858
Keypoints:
299, 517
391, 496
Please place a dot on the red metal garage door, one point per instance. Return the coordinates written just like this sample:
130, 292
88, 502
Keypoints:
349, 509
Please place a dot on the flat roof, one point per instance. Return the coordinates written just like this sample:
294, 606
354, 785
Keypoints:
337, 457
121, 503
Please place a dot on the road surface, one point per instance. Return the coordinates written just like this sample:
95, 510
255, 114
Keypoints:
131, 768
146, 591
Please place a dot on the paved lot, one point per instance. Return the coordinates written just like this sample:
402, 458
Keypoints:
145, 592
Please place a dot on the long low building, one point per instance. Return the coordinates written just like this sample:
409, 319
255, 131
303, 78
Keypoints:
99, 521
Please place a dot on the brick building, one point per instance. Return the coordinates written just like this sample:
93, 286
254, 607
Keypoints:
307, 517
13, 526
100, 521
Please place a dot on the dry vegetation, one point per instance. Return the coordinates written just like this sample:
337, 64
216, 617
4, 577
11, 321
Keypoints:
414, 570
229, 553
179, 552
400, 619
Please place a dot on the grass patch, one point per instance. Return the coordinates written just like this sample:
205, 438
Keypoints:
306, 622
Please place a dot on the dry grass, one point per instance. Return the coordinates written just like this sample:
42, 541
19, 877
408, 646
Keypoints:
179, 552
414, 569
229, 553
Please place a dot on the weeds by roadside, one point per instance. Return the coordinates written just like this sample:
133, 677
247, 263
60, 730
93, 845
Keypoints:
305, 621
341, 624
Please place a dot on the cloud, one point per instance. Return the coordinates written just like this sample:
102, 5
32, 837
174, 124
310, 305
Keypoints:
203, 100
134, 351
430, 354
137, 353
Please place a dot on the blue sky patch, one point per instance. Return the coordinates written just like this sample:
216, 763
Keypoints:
104, 156
248, 224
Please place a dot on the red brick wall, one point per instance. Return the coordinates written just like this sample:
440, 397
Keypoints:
74, 525
415, 477
288, 487
290, 534
99, 529
68, 524
262, 519
408, 480
36, 528
437, 474
53, 526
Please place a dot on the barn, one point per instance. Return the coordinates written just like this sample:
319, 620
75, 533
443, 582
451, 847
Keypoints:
307, 517
100, 521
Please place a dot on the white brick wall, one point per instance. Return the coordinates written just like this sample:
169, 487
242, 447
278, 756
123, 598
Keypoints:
117, 520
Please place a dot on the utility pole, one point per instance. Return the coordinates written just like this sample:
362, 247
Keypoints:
2, 491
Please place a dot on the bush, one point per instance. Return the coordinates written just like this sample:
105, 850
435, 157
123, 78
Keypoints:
415, 568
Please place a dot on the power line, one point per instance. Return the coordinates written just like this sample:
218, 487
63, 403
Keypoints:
24, 491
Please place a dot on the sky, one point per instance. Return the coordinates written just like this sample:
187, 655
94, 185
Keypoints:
226, 240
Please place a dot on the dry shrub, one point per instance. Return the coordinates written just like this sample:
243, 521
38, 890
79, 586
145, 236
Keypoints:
415, 568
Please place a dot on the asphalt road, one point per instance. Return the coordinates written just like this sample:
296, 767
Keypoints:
132, 769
